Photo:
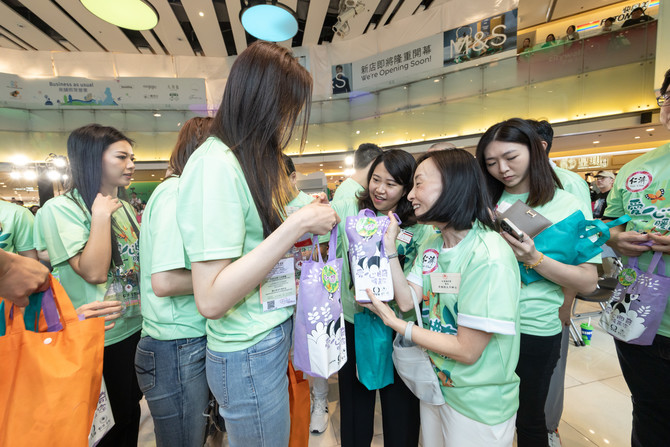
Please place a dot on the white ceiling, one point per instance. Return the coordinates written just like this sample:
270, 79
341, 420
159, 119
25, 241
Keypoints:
65, 25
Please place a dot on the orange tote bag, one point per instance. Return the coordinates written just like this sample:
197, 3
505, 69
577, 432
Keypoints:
50, 381
298, 397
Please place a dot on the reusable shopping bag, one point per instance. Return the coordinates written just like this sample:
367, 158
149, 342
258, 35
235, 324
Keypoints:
368, 261
638, 302
374, 349
414, 366
299, 401
574, 240
319, 345
50, 381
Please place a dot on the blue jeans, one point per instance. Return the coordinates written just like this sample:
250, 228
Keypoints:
171, 374
251, 387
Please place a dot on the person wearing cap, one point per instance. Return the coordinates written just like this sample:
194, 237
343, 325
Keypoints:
605, 182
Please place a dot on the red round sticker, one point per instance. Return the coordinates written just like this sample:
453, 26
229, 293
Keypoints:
638, 181
430, 260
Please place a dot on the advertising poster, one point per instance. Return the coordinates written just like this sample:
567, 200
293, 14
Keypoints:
480, 39
126, 93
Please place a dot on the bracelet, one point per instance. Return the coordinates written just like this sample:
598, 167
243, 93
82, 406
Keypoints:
393, 255
529, 266
408, 331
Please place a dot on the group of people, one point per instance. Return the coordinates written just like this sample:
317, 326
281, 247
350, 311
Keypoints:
216, 227
637, 16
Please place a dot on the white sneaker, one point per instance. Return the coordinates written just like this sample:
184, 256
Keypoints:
319, 418
554, 439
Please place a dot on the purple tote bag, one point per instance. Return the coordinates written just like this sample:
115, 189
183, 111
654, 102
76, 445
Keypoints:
319, 345
370, 268
638, 302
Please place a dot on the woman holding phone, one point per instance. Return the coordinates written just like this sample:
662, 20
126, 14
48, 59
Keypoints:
469, 281
516, 167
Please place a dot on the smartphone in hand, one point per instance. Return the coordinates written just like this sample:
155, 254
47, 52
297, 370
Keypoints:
510, 228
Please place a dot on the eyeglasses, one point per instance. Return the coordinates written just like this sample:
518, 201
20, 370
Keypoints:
663, 100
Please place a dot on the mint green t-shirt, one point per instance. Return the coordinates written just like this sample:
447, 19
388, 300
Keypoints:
38, 237
574, 184
217, 218
65, 227
641, 190
347, 190
16, 228
487, 300
541, 299
349, 207
161, 250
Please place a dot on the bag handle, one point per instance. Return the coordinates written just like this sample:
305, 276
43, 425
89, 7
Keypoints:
332, 247
50, 313
417, 309
332, 244
656, 261
603, 228
367, 212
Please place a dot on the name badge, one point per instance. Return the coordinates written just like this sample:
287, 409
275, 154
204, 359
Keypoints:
445, 282
405, 236
278, 288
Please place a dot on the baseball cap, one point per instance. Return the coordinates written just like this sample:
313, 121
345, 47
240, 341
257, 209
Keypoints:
609, 174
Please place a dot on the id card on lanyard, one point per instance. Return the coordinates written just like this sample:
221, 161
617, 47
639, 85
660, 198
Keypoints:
278, 288
125, 285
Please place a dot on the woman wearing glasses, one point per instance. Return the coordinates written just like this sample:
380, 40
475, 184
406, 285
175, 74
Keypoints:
638, 191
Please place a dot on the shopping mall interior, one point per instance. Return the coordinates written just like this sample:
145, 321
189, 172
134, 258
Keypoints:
397, 73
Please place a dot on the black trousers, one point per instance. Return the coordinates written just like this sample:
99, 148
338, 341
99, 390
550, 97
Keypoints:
124, 393
537, 359
400, 408
647, 373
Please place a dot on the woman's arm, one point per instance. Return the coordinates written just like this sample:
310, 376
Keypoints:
220, 284
92, 263
583, 277
465, 347
175, 282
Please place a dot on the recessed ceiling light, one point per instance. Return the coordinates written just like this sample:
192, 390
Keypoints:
637, 138
596, 142
651, 129
340, 167
153, 175
320, 164
130, 14
269, 20
357, 132
201, 14
157, 115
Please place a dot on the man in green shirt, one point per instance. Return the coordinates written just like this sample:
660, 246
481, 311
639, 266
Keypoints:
639, 191
363, 158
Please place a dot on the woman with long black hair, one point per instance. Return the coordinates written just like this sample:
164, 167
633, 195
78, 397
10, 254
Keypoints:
93, 242
516, 167
231, 214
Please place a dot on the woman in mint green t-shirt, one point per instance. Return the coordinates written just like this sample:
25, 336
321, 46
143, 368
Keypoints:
469, 281
92, 239
516, 167
170, 358
232, 199
389, 181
